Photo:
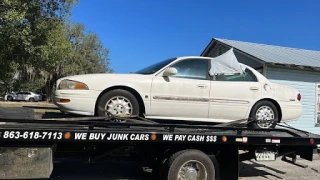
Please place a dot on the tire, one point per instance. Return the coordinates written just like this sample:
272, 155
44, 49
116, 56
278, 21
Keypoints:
270, 106
9, 98
105, 98
32, 100
177, 160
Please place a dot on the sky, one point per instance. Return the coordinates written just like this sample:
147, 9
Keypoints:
142, 32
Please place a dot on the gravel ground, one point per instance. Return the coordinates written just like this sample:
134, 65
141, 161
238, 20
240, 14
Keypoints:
253, 170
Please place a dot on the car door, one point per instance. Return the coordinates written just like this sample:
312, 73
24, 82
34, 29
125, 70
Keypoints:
231, 96
183, 95
19, 96
27, 95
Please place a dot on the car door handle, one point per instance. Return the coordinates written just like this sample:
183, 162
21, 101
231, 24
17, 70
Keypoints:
202, 86
254, 88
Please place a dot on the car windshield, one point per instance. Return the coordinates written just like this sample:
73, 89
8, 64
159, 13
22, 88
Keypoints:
155, 67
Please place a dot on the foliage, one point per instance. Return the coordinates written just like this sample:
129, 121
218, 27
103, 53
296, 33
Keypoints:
88, 54
38, 45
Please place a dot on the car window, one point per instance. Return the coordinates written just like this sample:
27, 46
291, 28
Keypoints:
248, 76
155, 67
192, 69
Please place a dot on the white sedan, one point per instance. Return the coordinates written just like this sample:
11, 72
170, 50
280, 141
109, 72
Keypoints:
185, 88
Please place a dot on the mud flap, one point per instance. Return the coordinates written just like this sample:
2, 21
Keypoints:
25, 163
307, 153
229, 162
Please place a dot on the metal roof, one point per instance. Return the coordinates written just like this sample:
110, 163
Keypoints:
275, 54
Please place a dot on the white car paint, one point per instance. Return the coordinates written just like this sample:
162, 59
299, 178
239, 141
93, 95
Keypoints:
24, 96
182, 98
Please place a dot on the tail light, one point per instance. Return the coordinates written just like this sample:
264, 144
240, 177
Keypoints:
299, 97
311, 141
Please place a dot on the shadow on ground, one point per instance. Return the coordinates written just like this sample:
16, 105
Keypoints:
253, 169
48, 115
115, 170
111, 170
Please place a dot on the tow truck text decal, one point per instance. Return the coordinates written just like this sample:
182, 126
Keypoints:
111, 136
189, 138
31, 135
101, 136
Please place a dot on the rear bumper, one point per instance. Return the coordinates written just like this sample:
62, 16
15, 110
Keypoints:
81, 102
291, 111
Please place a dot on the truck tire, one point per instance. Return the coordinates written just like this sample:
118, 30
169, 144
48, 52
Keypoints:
270, 110
125, 100
182, 164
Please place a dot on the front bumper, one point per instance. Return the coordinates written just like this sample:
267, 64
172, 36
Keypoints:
80, 102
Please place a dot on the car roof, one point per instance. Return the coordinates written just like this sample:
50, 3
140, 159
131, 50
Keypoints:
197, 57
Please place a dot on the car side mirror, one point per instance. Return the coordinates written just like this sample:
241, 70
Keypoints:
170, 72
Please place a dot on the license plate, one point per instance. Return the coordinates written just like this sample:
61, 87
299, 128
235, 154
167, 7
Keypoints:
265, 155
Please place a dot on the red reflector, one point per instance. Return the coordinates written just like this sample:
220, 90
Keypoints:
299, 97
311, 141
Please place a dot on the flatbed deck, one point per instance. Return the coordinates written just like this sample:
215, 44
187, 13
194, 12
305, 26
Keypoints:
152, 142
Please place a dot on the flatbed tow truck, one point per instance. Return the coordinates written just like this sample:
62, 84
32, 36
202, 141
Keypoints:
171, 151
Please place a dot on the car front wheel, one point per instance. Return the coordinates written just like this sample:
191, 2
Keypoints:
32, 100
9, 98
118, 102
265, 115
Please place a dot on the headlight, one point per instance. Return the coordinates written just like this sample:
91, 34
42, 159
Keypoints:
68, 84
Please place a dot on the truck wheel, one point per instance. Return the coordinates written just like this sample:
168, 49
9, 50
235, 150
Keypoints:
118, 102
190, 164
265, 115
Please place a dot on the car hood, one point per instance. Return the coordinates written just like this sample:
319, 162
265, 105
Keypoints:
102, 81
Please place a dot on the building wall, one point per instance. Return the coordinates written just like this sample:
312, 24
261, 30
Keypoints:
305, 82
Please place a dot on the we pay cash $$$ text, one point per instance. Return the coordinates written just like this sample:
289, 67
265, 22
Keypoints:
112, 136
189, 138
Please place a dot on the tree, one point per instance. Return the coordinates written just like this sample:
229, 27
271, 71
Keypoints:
31, 35
38, 44
88, 54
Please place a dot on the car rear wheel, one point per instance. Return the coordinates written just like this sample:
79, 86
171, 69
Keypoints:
32, 100
118, 102
265, 115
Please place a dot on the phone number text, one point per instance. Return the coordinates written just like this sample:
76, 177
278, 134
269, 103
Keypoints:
32, 135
